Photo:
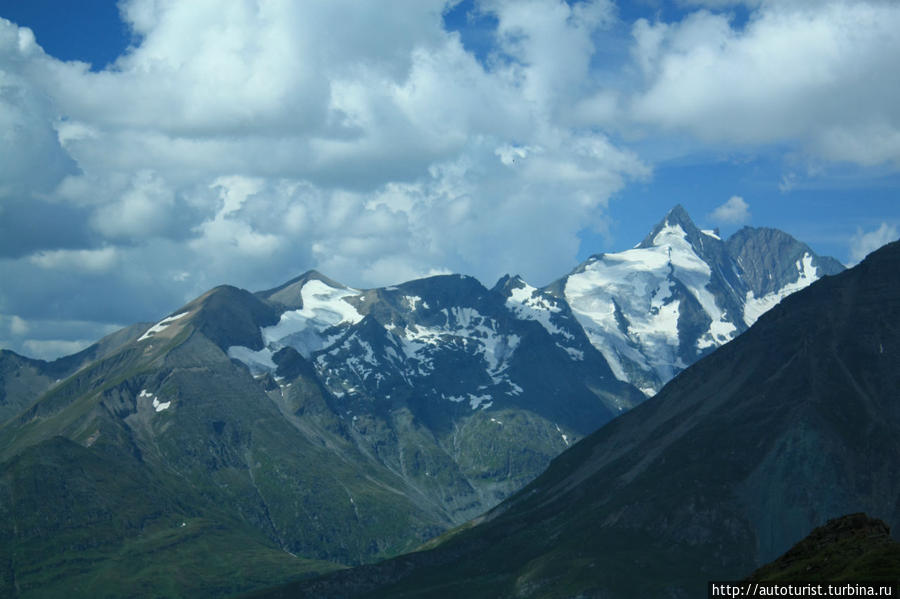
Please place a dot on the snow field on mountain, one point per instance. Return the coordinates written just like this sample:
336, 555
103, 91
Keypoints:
634, 283
527, 303
625, 303
695, 274
410, 350
323, 307
464, 326
530, 303
644, 309
754, 307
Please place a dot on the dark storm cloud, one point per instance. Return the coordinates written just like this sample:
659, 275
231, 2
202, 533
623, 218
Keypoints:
30, 225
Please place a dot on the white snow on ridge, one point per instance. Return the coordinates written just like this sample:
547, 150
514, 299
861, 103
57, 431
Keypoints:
710, 233
161, 326
639, 282
527, 303
411, 351
754, 307
323, 307
463, 329
695, 274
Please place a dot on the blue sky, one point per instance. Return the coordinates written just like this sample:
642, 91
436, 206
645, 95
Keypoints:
158, 148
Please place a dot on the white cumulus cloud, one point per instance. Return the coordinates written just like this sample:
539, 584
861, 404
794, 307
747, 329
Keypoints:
733, 212
811, 73
249, 141
863, 243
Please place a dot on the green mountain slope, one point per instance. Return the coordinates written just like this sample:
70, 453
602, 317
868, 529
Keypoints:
167, 429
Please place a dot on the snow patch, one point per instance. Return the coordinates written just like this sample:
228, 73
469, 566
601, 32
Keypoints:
477, 400
159, 406
622, 302
754, 307
528, 303
324, 307
161, 326
412, 302
720, 332
575, 354
463, 326
565, 437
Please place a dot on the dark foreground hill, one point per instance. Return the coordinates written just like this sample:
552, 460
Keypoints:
793, 423
851, 548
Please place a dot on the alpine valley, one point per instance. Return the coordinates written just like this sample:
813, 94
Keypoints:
252, 438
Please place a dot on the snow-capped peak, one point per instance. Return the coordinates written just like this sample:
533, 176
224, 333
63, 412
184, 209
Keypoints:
323, 307
680, 293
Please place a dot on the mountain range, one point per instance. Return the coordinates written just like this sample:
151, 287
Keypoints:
343, 425
792, 424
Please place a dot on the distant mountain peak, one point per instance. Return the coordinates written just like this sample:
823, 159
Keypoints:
678, 214
289, 294
676, 218
682, 292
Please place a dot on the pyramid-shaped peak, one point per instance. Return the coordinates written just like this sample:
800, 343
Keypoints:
679, 215
676, 217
